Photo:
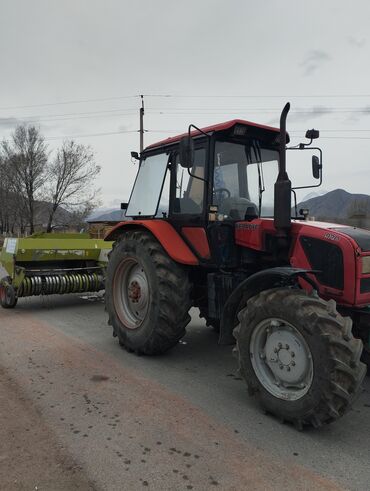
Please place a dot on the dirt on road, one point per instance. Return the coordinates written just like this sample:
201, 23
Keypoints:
77, 418
30, 456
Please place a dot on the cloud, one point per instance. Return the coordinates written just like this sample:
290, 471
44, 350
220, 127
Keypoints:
313, 60
123, 127
304, 114
356, 116
356, 42
115, 203
11, 122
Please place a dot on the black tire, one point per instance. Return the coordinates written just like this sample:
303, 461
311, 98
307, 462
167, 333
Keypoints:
365, 358
8, 297
168, 295
337, 371
214, 323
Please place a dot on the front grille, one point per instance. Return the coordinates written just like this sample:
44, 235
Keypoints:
327, 258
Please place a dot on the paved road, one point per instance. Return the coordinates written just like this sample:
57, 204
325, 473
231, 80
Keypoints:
179, 421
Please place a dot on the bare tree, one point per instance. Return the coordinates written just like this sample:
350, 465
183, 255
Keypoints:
12, 204
70, 180
4, 198
26, 155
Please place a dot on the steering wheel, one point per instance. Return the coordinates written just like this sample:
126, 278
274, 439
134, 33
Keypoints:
219, 192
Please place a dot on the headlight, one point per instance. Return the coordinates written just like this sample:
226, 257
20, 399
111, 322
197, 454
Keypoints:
366, 265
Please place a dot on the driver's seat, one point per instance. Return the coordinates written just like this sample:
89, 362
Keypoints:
236, 207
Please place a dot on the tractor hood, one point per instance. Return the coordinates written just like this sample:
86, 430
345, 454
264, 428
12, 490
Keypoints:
359, 235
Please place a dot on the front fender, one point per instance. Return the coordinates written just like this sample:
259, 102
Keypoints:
254, 284
166, 235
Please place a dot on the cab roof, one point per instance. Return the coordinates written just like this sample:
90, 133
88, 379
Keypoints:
214, 128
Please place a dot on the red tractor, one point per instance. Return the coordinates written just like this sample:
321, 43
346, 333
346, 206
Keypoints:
212, 228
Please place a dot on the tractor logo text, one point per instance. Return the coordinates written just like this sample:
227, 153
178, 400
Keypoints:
331, 236
248, 226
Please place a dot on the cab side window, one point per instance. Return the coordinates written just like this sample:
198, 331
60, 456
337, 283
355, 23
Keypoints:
189, 197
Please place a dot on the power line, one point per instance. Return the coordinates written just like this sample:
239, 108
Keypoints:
40, 120
129, 111
187, 96
186, 112
109, 133
240, 108
332, 131
69, 114
99, 115
83, 135
244, 96
345, 137
81, 101
290, 132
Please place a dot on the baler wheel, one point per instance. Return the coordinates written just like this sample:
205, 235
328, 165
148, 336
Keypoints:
8, 297
298, 356
147, 295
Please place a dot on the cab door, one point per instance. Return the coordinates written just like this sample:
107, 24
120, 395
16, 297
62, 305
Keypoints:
188, 211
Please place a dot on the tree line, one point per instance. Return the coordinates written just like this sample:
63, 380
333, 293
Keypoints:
32, 178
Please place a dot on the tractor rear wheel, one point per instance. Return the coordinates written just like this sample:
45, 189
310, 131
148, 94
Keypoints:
147, 295
8, 297
298, 356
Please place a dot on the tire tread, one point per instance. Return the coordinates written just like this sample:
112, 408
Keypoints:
344, 351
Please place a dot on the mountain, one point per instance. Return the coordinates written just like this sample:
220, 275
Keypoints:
114, 215
62, 217
337, 204
333, 205
107, 215
314, 194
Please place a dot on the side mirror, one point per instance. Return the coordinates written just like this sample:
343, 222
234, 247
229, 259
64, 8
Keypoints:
135, 155
124, 206
186, 152
316, 167
312, 134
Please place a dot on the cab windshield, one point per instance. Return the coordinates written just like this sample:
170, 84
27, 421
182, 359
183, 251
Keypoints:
244, 178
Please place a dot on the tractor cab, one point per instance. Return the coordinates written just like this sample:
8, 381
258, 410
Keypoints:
207, 180
221, 178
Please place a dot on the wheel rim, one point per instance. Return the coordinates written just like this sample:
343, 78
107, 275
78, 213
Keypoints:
281, 359
131, 293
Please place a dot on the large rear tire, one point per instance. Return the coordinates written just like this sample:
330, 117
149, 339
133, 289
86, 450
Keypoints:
147, 295
298, 356
366, 358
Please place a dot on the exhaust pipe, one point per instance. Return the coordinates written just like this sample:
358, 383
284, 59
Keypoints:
283, 186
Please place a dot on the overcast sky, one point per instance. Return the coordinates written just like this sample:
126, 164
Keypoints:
81, 64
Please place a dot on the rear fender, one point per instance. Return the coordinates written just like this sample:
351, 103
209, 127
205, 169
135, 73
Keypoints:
254, 284
166, 235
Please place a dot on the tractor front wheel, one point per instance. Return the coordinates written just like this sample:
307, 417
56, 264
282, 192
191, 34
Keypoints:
147, 295
298, 356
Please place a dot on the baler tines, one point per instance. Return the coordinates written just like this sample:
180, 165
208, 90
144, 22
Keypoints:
47, 264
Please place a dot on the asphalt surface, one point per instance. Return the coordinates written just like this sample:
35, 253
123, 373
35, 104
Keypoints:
178, 421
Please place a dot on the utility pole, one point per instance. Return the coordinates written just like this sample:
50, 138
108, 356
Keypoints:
142, 124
